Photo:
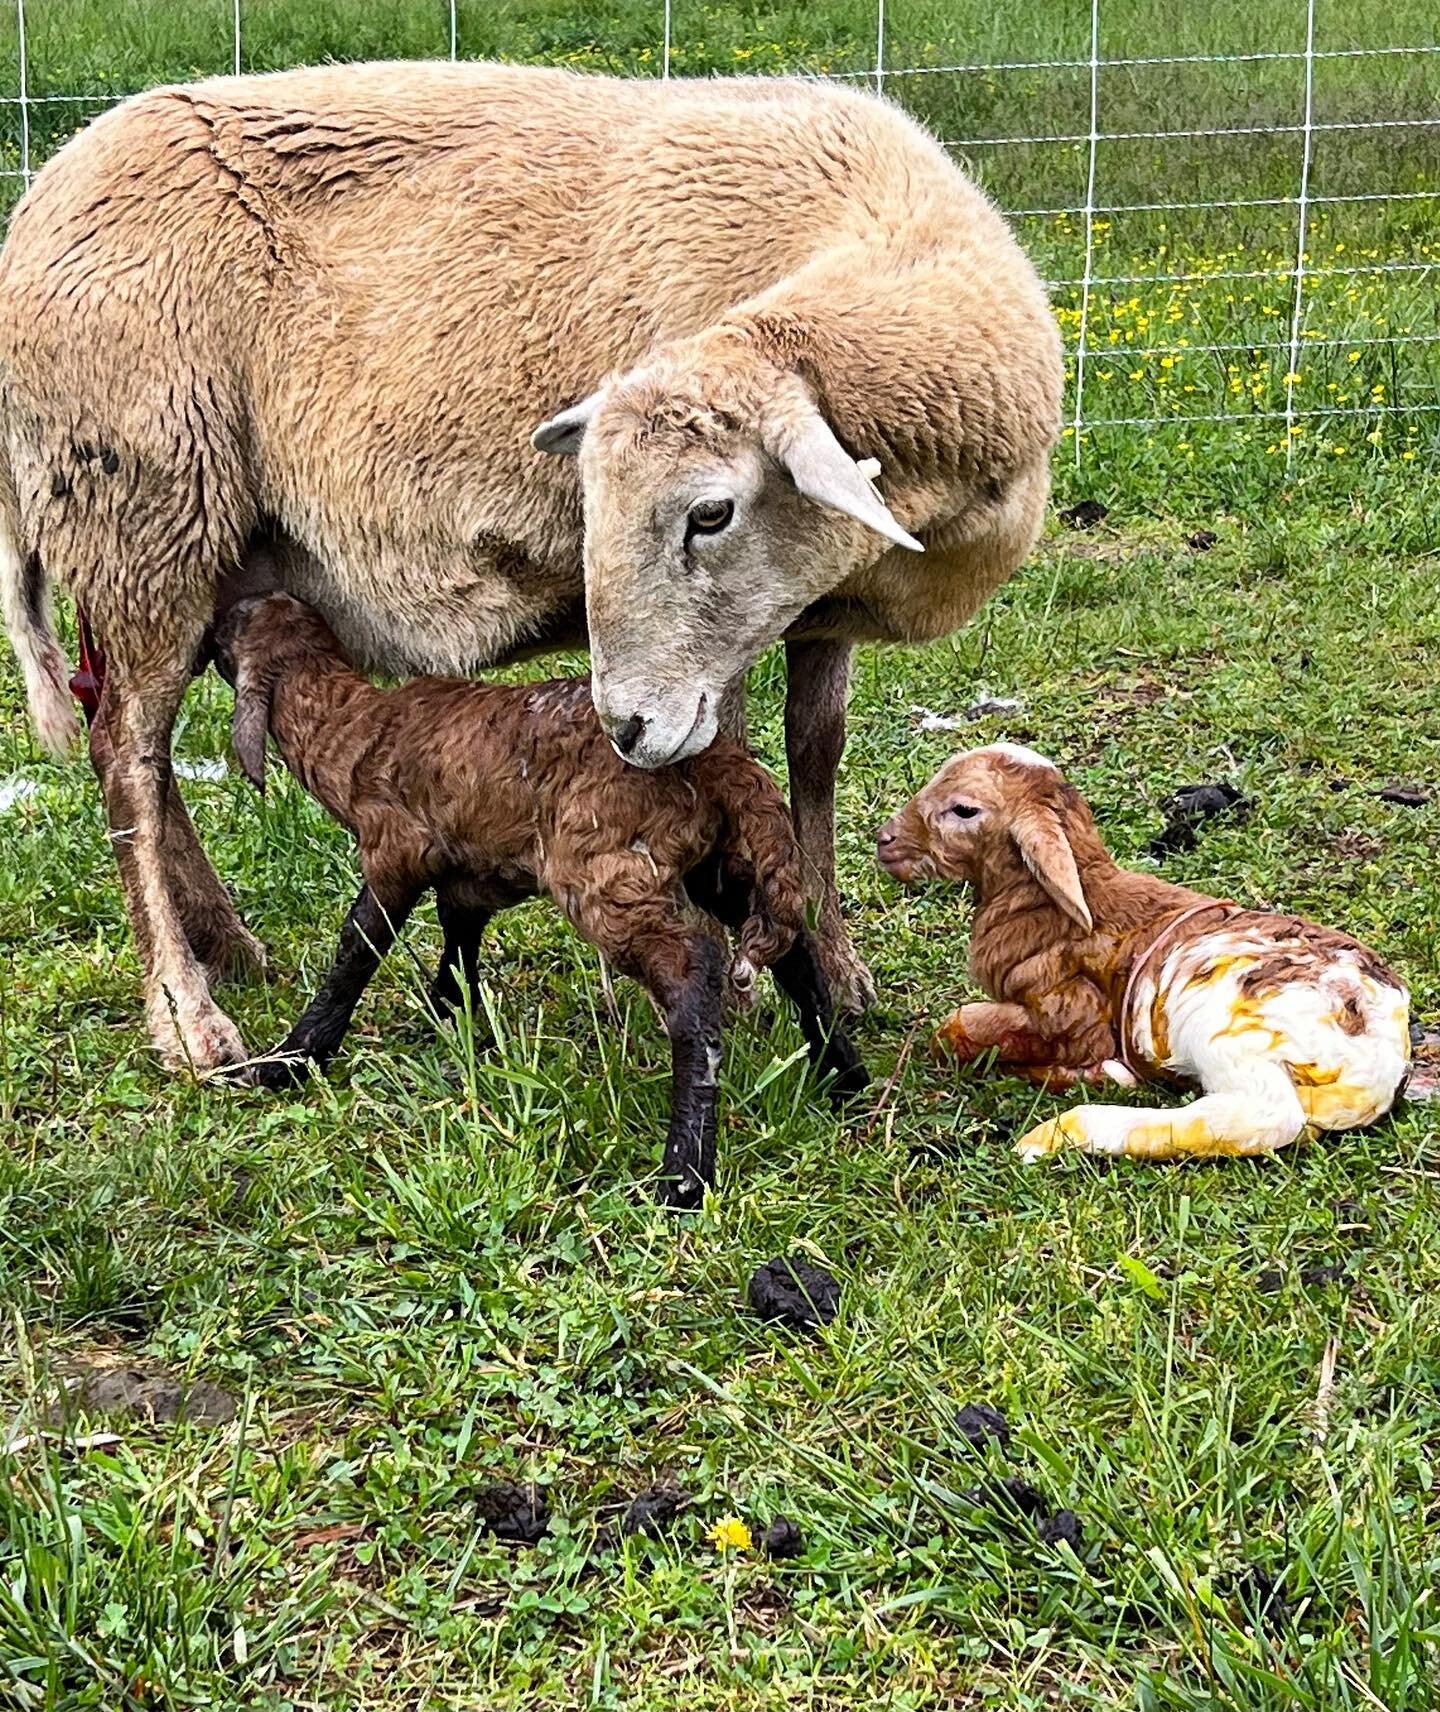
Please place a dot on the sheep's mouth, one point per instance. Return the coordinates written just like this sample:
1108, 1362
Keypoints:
904, 865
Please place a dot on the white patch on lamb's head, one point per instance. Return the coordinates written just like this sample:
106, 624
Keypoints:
1019, 754
719, 505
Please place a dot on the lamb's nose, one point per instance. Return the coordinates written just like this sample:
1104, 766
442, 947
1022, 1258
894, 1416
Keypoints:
886, 835
629, 734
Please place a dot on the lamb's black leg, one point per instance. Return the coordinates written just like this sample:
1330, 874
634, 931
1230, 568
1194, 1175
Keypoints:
799, 975
462, 927
693, 1019
725, 893
368, 933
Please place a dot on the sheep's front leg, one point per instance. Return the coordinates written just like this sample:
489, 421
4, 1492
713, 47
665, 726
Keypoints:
692, 999
817, 682
217, 935
368, 933
130, 746
673, 953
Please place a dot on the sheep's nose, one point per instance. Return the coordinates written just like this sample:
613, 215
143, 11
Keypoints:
629, 734
886, 834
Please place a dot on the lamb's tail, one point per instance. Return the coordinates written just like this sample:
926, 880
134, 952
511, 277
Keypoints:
25, 599
1258, 1113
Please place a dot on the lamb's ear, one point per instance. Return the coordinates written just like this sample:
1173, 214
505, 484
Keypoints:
253, 690
1040, 835
563, 433
824, 471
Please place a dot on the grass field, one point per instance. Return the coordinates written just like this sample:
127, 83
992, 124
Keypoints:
442, 1267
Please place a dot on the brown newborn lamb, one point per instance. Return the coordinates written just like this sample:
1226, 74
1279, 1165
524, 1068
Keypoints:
491, 794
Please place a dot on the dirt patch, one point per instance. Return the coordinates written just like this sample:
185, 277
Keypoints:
1405, 796
146, 1396
1356, 846
794, 1292
512, 1512
980, 1424
1190, 808
783, 1539
1201, 541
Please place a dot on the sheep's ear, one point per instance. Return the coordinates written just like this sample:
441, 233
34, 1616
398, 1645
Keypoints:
563, 433
824, 471
1046, 852
253, 690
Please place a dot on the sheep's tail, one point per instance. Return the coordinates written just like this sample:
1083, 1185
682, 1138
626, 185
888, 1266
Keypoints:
25, 600
759, 842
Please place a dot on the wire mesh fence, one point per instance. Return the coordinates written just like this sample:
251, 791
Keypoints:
1237, 207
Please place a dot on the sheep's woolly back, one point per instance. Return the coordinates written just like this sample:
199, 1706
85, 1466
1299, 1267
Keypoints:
339, 300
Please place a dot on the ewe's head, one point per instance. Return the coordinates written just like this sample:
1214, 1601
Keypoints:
989, 817
718, 505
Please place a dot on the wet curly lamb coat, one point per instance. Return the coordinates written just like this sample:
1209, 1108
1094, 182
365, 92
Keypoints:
1097, 974
298, 330
489, 794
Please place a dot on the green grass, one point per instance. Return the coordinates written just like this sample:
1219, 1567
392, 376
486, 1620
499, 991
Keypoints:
1137, 312
442, 1266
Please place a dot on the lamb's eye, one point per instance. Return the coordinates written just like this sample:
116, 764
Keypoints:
964, 811
709, 516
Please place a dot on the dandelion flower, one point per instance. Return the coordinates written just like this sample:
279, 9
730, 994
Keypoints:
730, 1535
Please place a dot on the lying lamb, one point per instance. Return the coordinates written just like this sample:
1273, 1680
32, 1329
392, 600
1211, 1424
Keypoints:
1096, 973
490, 794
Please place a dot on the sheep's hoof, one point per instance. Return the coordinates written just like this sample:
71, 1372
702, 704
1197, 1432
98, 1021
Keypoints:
1043, 1140
198, 1036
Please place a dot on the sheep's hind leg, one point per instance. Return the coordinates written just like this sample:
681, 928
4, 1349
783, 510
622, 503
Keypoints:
368, 933
679, 959
216, 934
1258, 1113
817, 684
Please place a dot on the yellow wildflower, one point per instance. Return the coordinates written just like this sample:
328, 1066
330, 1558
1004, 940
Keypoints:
730, 1535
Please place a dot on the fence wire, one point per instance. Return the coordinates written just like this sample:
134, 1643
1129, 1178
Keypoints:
1308, 316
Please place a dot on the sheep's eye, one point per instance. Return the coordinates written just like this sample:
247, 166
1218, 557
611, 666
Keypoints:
964, 811
709, 517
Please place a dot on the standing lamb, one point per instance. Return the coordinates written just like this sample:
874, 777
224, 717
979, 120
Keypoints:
489, 794
296, 331
1097, 974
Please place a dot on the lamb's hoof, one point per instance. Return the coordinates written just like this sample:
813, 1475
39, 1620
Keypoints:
682, 1194
197, 1037
1040, 1142
848, 1079
279, 1072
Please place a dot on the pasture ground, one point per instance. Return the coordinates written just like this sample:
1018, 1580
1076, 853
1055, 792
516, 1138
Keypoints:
441, 1267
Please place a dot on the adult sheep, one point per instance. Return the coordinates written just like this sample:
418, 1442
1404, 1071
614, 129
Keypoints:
298, 330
